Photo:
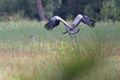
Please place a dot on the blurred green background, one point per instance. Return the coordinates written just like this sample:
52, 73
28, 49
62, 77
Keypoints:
67, 9
52, 56
29, 52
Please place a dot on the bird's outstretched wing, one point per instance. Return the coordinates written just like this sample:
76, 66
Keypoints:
54, 22
88, 21
85, 19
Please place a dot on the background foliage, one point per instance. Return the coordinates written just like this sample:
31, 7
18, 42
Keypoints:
98, 9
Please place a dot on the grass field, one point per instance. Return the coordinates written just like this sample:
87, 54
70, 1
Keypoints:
29, 52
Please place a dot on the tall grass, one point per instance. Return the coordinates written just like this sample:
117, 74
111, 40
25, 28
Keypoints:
51, 55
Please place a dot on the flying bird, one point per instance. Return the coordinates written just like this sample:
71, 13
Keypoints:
70, 28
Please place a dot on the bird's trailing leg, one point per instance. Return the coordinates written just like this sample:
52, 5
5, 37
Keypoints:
74, 40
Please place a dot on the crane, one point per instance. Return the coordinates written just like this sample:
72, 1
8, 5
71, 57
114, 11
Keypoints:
71, 29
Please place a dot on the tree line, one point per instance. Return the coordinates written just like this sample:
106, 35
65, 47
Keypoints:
67, 9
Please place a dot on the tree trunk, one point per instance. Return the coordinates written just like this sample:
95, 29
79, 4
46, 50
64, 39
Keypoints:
40, 10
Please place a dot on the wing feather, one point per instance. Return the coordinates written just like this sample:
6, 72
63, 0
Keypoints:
85, 19
54, 22
88, 21
77, 21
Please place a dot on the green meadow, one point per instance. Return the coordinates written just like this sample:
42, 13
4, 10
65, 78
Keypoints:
29, 52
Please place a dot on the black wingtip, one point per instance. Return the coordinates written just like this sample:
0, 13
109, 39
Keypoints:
89, 21
47, 26
52, 23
